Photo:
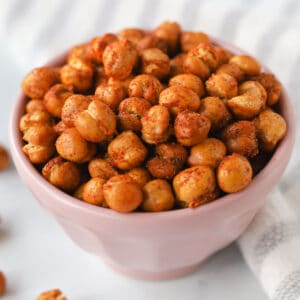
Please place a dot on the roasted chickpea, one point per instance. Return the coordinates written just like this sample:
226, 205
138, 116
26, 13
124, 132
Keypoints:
158, 196
178, 98
134, 35
4, 160
71, 146
126, 151
123, 82
195, 65
191, 39
2, 284
253, 88
189, 81
222, 85
191, 128
223, 55
139, 175
52, 295
38, 154
162, 168
176, 64
248, 64
131, 111
122, 193
92, 191
234, 173
145, 86
62, 174
60, 127
232, 70
34, 105
156, 125
240, 137
100, 76
270, 129
102, 168
38, 81
155, 62
35, 118
208, 153
216, 111
79, 51
195, 186
119, 59
151, 41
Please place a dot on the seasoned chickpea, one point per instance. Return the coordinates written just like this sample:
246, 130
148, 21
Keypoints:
34, 105
38, 154
195, 65
139, 175
119, 59
216, 111
92, 191
2, 284
195, 186
178, 98
60, 127
223, 55
158, 196
122, 193
191, 39
208, 153
52, 295
253, 88
4, 159
145, 86
100, 76
123, 82
162, 168
62, 174
131, 111
102, 168
270, 129
38, 81
222, 85
232, 70
79, 192
176, 64
248, 64
152, 41
156, 125
71, 146
189, 81
126, 151
79, 51
134, 35
191, 128
240, 137
234, 173
155, 62
35, 118
56, 97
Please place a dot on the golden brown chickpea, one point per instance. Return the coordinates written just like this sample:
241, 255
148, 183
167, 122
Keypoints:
34, 105
78, 51
216, 111
131, 110
122, 193
99, 167
176, 64
134, 35
156, 125
161, 168
195, 186
254, 88
191, 39
62, 174
71, 146
155, 62
4, 159
2, 284
119, 59
189, 81
208, 153
145, 86
240, 137
60, 127
191, 128
92, 191
151, 41
270, 128
124, 82
223, 55
35, 118
52, 295
126, 151
38, 154
56, 97
97, 123
232, 70
248, 64
178, 98
158, 196
139, 175
79, 192
38, 81
222, 85
234, 173
195, 65
100, 76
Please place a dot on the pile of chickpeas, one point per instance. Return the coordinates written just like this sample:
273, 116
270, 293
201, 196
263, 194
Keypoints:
151, 120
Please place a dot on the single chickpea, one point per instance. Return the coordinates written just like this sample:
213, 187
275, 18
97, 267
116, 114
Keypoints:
131, 110
4, 160
92, 191
38, 81
240, 137
191, 128
52, 295
145, 86
62, 174
195, 186
216, 111
195, 65
102, 168
222, 85
270, 128
60, 127
158, 196
176, 64
232, 70
134, 35
178, 98
156, 125
139, 175
78, 51
34, 105
208, 153
126, 151
161, 168
234, 173
223, 55
253, 88
191, 39
155, 62
71, 146
124, 82
38, 154
56, 97
122, 193
79, 192
248, 64
2, 284
119, 59
151, 41
38, 117
189, 81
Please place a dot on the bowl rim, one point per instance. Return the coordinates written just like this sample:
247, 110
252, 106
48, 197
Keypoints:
68, 201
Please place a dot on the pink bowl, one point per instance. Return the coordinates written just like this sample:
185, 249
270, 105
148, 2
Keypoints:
155, 245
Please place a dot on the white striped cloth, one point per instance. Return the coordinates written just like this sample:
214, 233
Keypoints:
270, 30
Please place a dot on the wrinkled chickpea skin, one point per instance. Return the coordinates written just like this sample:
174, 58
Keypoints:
248, 64
139, 175
191, 39
102, 168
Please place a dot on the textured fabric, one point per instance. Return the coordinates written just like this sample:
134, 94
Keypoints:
270, 30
